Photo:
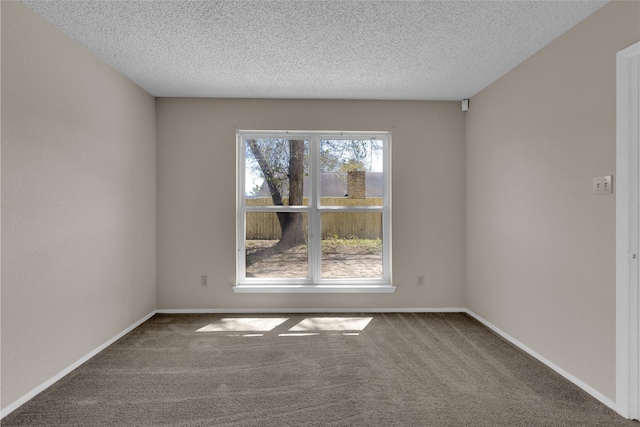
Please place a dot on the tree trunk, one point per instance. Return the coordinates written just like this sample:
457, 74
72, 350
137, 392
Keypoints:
291, 223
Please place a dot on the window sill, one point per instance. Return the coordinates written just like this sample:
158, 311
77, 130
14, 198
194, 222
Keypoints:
314, 289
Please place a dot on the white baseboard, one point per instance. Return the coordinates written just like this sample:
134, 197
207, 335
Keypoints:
45, 385
596, 394
308, 310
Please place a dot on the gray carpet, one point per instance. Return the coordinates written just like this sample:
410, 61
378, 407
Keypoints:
313, 370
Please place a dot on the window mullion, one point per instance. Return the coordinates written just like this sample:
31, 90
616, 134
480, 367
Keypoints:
351, 209
314, 217
276, 208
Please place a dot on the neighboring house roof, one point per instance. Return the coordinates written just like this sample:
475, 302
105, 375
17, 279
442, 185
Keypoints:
333, 184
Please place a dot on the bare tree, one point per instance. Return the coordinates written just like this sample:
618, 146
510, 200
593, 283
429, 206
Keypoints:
291, 223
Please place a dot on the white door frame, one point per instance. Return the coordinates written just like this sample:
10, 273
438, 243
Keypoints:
627, 207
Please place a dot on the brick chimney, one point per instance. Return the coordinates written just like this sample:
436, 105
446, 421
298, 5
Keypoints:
356, 184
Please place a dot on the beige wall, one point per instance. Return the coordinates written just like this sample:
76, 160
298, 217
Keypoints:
78, 202
197, 196
541, 247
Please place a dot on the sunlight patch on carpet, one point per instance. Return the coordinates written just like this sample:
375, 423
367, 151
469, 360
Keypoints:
235, 324
298, 335
332, 324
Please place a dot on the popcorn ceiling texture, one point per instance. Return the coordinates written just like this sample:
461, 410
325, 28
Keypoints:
418, 50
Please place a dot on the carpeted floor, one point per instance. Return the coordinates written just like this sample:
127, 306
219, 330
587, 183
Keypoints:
313, 370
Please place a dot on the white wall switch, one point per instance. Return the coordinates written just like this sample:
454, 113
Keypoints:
603, 185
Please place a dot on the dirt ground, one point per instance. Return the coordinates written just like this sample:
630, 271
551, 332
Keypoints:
340, 259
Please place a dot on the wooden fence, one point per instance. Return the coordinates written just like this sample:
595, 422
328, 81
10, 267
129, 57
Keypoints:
361, 225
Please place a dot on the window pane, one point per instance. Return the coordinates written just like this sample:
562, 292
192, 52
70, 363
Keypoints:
276, 172
267, 253
351, 172
351, 245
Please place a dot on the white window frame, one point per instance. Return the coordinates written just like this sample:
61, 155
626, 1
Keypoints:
313, 283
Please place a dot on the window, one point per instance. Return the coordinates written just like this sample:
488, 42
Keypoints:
313, 212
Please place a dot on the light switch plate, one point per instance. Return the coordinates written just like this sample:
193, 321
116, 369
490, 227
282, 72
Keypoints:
602, 185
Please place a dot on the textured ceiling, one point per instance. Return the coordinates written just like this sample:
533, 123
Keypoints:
423, 50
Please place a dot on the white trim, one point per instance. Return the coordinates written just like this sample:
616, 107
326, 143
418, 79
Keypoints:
241, 231
285, 134
313, 282
626, 170
306, 310
317, 289
45, 385
593, 392
314, 235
